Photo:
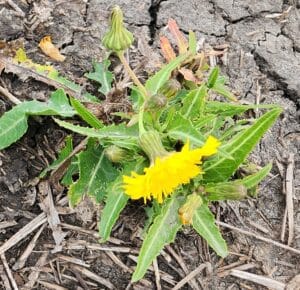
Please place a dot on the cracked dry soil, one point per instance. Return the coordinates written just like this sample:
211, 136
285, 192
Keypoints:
262, 64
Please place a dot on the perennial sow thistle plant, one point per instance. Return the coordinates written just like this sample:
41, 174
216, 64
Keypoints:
177, 151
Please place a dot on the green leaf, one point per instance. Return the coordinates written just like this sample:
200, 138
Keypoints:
192, 42
116, 199
220, 168
162, 232
62, 156
227, 109
73, 168
120, 134
204, 224
114, 204
213, 76
102, 76
95, 173
193, 103
181, 128
13, 124
154, 83
223, 91
253, 179
85, 114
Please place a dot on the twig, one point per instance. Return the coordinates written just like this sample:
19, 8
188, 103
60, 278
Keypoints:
190, 276
73, 260
51, 286
181, 263
7, 224
258, 237
16, 8
23, 232
9, 96
93, 276
9, 273
289, 196
117, 261
33, 277
261, 280
157, 275
23, 258
4, 278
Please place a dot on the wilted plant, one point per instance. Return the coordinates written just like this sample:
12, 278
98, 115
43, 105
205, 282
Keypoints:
177, 153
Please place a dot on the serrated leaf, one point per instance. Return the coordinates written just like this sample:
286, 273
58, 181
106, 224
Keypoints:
220, 168
154, 83
162, 232
102, 76
13, 124
204, 224
193, 103
85, 114
120, 134
62, 156
227, 109
95, 173
181, 128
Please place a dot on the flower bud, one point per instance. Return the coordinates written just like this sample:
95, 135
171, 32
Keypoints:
156, 101
118, 38
187, 211
115, 154
151, 144
170, 88
225, 191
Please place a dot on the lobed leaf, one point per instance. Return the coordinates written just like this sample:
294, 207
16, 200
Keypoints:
62, 156
13, 124
204, 224
95, 173
102, 76
162, 232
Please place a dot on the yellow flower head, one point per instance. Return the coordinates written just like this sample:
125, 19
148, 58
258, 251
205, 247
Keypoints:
168, 172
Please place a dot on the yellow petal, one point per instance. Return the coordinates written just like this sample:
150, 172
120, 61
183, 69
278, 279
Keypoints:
49, 49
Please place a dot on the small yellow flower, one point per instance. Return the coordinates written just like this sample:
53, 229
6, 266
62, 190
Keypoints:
168, 172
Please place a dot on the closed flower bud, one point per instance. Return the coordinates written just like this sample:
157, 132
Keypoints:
187, 211
118, 38
225, 191
170, 88
156, 101
115, 154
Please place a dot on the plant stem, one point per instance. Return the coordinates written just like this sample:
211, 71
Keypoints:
132, 75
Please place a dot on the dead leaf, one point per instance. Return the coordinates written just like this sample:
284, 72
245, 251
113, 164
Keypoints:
49, 49
167, 50
180, 39
189, 75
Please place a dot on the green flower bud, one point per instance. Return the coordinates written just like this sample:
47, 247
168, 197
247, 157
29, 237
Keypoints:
225, 191
156, 101
151, 144
170, 88
118, 38
115, 154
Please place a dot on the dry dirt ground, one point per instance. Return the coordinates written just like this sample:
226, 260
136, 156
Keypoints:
262, 62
